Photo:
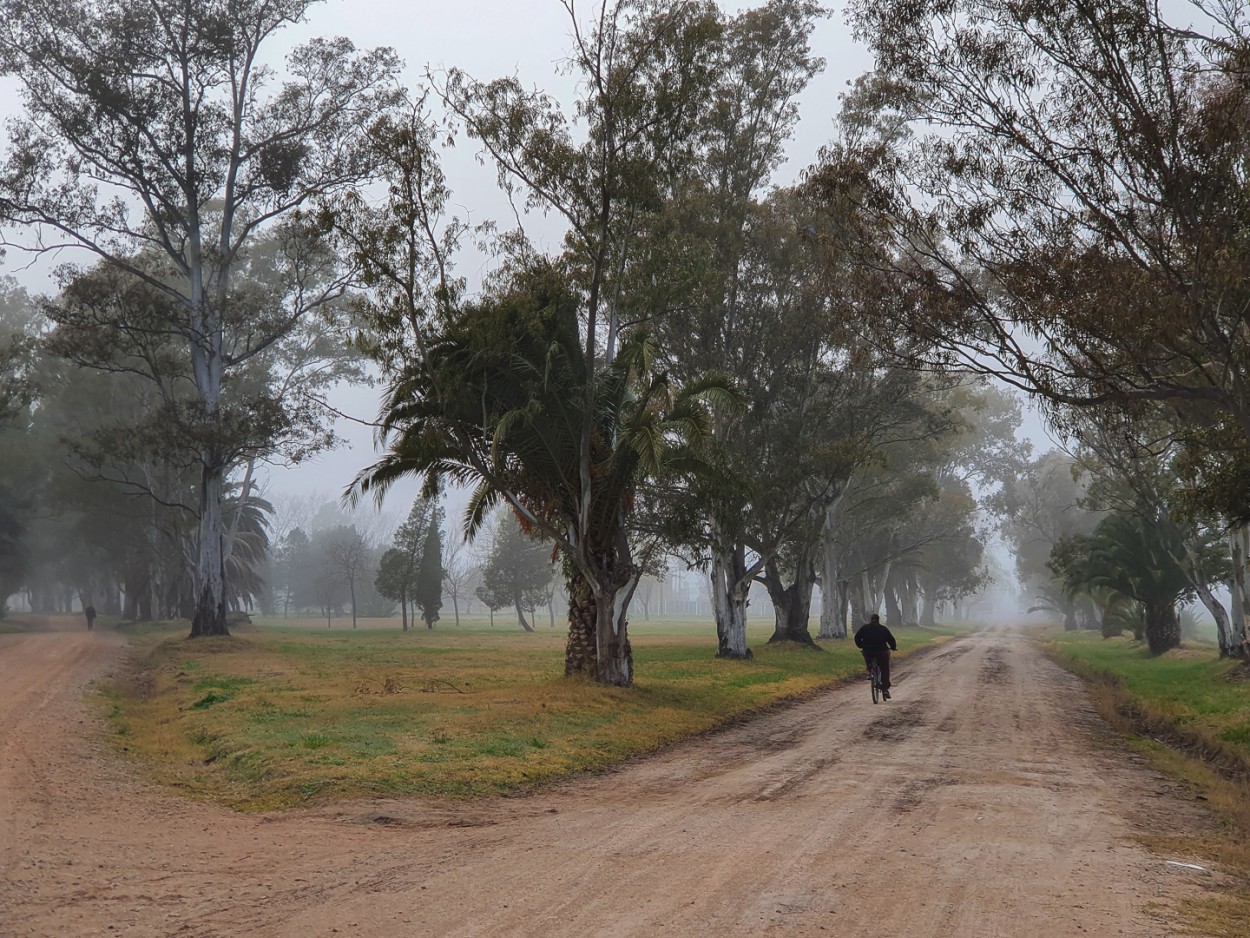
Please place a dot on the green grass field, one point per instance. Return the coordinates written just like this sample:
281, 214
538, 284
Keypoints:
288, 711
1189, 688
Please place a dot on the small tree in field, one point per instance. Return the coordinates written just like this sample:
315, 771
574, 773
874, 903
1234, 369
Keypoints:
395, 582
517, 571
428, 594
347, 553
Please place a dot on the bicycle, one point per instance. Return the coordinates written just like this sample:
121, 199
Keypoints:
874, 675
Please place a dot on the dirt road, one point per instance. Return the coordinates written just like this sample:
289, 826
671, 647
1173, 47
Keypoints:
984, 800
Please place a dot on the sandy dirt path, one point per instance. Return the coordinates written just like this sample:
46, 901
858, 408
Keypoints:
985, 800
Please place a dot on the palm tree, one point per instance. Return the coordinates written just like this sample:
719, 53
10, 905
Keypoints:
503, 400
1135, 556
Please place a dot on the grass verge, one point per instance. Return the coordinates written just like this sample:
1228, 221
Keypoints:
1188, 712
291, 713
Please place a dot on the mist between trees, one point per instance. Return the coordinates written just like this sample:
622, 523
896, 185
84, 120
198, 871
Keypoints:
795, 386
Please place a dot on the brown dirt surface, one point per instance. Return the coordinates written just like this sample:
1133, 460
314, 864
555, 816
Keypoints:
986, 799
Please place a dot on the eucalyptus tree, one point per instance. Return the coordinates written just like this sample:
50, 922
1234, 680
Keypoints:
154, 140
884, 513
18, 476
18, 316
696, 259
938, 541
1070, 214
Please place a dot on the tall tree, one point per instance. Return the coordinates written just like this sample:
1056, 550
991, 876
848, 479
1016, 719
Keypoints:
643, 67
166, 104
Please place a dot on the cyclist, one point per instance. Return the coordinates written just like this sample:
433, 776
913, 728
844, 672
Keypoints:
876, 641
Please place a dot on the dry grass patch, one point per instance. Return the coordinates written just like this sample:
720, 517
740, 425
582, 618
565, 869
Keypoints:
297, 713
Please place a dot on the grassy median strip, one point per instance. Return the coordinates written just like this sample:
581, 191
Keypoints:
1187, 697
289, 713
1189, 713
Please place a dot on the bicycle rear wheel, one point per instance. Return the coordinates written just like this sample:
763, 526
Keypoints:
875, 676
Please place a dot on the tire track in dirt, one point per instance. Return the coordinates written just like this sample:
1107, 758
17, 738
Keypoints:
973, 804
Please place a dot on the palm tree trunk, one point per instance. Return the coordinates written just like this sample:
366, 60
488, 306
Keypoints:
1163, 629
579, 650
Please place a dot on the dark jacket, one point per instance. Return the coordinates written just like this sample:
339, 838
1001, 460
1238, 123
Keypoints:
874, 637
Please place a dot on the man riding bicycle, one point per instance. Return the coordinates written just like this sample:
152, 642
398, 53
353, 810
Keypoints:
876, 641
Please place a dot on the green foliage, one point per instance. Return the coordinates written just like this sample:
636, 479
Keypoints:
1135, 557
429, 586
517, 570
1191, 691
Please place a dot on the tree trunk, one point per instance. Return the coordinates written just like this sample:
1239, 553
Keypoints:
614, 659
351, 586
1163, 629
833, 603
855, 595
403, 610
1223, 631
455, 605
792, 605
1238, 541
730, 589
908, 596
928, 610
210, 572
1069, 618
893, 611
833, 590
520, 616
579, 650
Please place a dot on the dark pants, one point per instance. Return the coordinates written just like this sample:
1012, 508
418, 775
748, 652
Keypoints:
882, 658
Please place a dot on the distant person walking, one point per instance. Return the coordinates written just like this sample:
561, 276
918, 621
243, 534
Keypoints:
89, 612
876, 641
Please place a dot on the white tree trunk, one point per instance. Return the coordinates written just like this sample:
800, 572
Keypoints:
832, 593
730, 587
210, 570
1239, 639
